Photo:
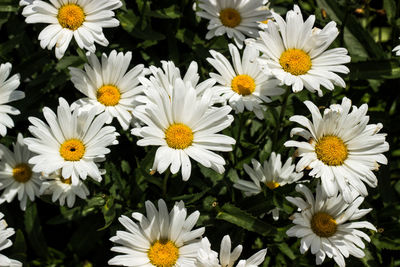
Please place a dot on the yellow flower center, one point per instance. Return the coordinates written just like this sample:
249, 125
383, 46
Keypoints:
331, 150
71, 16
22, 173
265, 21
272, 185
66, 181
230, 17
243, 85
108, 95
179, 136
163, 254
295, 61
323, 224
72, 150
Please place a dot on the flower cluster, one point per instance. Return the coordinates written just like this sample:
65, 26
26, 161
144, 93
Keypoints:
186, 120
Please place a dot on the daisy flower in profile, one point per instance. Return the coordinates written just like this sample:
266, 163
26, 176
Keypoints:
8, 93
73, 142
326, 225
5, 233
161, 239
244, 85
397, 50
208, 258
62, 189
238, 18
341, 148
82, 20
109, 86
17, 176
184, 126
164, 78
297, 54
272, 174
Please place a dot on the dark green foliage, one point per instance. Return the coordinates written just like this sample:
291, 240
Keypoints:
49, 235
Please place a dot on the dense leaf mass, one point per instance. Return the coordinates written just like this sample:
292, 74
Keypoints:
155, 30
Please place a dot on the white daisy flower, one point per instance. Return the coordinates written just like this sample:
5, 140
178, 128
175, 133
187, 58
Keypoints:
209, 258
272, 174
342, 148
397, 50
81, 19
8, 93
164, 78
296, 54
160, 239
5, 233
62, 189
184, 126
206, 256
108, 86
244, 85
323, 224
71, 142
17, 176
236, 18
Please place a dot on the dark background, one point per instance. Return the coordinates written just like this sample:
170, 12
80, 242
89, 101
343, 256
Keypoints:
48, 235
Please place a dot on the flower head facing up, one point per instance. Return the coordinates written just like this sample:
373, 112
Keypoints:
341, 148
82, 20
237, 19
323, 225
272, 174
331, 150
179, 136
5, 233
295, 61
163, 253
184, 126
72, 141
243, 84
109, 86
17, 177
71, 16
227, 258
8, 93
160, 239
297, 54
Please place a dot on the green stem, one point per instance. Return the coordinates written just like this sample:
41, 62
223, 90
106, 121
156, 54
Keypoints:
281, 117
241, 119
165, 183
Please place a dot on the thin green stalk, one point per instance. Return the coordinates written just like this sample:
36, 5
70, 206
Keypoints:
165, 183
241, 119
281, 117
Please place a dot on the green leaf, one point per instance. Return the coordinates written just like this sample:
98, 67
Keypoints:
108, 213
343, 16
285, 249
386, 243
66, 62
377, 69
128, 20
390, 9
166, 13
241, 218
34, 230
19, 247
